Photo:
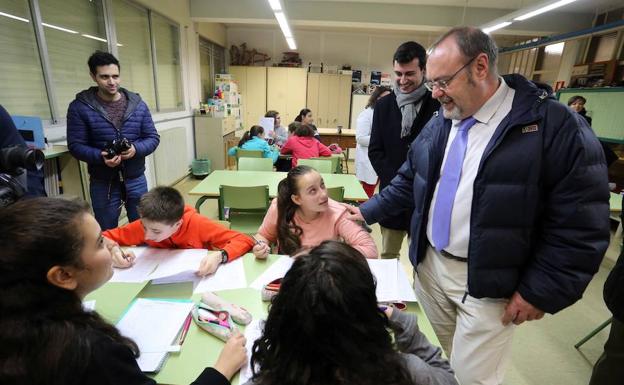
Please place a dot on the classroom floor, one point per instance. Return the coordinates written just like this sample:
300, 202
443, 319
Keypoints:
543, 351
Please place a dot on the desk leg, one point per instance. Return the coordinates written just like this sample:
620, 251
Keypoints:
200, 201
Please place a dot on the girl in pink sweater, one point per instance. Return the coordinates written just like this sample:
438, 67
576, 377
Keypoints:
302, 216
303, 145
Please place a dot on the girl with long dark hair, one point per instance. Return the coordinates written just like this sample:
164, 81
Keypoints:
53, 254
254, 139
325, 328
302, 216
305, 117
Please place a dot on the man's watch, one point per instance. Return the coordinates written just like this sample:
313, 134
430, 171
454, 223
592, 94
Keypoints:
224, 257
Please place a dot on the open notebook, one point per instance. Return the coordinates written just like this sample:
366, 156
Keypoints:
154, 325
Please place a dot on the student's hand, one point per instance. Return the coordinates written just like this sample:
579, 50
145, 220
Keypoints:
131, 152
233, 356
113, 162
119, 260
261, 250
354, 213
209, 264
518, 310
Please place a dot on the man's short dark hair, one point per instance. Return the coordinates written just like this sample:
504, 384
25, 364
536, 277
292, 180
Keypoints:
409, 51
471, 42
100, 58
162, 204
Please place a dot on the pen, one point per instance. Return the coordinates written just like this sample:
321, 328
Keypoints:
185, 329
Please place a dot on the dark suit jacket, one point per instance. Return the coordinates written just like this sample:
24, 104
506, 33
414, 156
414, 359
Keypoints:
387, 150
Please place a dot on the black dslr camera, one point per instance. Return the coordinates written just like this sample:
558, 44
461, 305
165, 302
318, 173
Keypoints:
13, 163
116, 147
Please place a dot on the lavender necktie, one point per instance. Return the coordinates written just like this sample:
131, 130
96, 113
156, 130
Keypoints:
449, 180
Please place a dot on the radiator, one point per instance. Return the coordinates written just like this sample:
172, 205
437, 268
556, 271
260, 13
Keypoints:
171, 156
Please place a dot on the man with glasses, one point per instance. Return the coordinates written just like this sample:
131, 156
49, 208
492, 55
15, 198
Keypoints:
510, 200
397, 119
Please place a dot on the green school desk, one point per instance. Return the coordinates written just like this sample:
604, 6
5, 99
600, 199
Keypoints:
200, 349
209, 187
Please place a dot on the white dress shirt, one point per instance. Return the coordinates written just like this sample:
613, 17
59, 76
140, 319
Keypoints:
488, 118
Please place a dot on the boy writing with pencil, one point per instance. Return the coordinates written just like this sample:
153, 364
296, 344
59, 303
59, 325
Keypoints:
166, 222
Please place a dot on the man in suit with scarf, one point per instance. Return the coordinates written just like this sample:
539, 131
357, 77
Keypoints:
397, 121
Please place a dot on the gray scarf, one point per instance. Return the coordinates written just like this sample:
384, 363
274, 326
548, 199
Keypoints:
409, 105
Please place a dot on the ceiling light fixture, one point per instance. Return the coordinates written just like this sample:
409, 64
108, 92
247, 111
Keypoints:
275, 5
58, 28
543, 9
497, 26
14, 17
94, 38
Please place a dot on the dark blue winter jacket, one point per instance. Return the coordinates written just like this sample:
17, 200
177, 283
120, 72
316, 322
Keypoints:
89, 129
539, 220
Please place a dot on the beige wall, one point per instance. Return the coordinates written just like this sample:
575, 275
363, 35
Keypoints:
215, 32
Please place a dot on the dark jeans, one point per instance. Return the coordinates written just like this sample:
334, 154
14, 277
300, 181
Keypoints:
106, 200
609, 369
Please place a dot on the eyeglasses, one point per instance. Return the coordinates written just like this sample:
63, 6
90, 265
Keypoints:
444, 83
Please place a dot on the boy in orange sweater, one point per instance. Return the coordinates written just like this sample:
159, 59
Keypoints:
167, 223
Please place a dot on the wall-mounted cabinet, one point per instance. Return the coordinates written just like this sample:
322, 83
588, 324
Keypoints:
252, 86
329, 98
286, 91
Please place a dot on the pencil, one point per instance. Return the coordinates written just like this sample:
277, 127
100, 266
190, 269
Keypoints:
185, 329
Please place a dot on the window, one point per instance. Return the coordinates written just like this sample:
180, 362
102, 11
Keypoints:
169, 84
23, 88
211, 62
134, 50
73, 30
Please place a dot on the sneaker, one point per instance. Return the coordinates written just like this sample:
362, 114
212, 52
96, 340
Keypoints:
271, 289
240, 315
218, 323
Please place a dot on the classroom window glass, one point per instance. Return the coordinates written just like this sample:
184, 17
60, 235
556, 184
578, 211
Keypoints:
168, 65
23, 88
134, 50
73, 29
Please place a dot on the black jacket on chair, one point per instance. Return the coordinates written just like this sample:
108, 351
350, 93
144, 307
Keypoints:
387, 151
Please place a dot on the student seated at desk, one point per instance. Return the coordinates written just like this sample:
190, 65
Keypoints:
167, 223
302, 145
325, 327
254, 140
302, 216
53, 255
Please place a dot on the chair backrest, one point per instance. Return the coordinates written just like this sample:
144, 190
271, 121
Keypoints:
324, 166
336, 193
255, 164
335, 161
243, 199
240, 153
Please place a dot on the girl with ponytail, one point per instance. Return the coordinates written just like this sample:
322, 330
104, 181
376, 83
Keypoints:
302, 216
254, 140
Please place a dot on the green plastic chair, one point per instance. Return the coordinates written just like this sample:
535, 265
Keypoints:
335, 161
255, 164
240, 153
243, 207
324, 166
336, 193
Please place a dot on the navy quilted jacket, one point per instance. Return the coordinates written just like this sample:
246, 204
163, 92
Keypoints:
540, 212
89, 129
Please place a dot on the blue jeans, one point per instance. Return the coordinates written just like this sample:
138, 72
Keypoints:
106, 200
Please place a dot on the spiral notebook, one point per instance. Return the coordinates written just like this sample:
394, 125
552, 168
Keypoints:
154, 325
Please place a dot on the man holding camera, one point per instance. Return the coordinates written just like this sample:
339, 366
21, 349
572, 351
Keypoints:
111, 129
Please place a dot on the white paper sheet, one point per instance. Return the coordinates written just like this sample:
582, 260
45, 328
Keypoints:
392, 281
269, 126
154, 325
277, 270
146, 260
253, 331
178, 261
227, 277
